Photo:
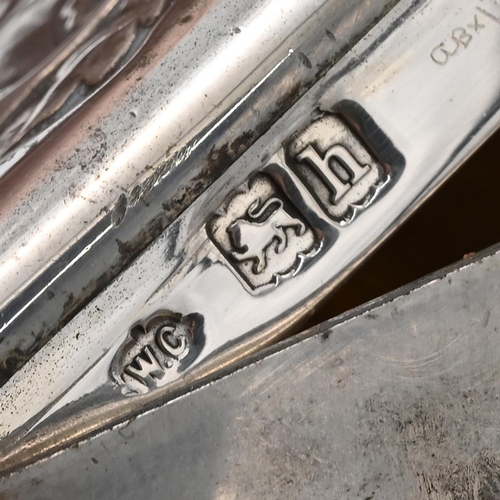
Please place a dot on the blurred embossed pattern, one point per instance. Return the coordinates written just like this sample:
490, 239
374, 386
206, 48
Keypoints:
55, 54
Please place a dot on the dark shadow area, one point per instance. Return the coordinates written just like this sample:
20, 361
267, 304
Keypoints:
462, 217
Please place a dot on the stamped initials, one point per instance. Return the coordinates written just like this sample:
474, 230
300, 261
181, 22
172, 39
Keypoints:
462, 36
154, 350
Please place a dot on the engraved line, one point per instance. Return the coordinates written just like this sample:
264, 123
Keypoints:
188, 150
489, 15
56, 277
241, 101
188, 153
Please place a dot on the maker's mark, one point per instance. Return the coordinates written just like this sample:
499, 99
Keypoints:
156, 350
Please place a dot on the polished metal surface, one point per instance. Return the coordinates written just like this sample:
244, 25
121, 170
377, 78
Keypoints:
193, 85
56, 54
255, 253
396, 399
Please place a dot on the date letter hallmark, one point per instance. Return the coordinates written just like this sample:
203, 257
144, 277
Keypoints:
336, 169
462, 36
156, 350
261, 233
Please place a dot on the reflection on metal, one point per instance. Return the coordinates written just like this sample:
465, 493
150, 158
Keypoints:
397, 399
329, 180
157, 350
56, 54
83, 203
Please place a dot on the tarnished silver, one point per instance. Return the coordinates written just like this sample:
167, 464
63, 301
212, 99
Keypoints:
259, 249
396, 399
185, 88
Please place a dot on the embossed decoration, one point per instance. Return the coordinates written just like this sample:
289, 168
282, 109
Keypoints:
261, 233
155, 350
336, 168
68, 50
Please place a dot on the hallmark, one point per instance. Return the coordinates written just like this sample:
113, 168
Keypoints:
268, 236
262, 234
154, 349
336, 169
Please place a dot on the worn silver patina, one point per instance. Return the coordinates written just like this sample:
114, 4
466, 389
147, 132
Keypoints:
396, 399
332, 177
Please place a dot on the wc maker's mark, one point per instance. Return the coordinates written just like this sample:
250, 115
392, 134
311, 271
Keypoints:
154, 350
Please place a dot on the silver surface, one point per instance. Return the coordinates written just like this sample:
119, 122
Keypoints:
397, 399
200, 83
403, 117
56, 54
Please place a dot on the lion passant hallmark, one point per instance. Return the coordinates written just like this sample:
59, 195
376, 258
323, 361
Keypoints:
251, 237
262, 234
